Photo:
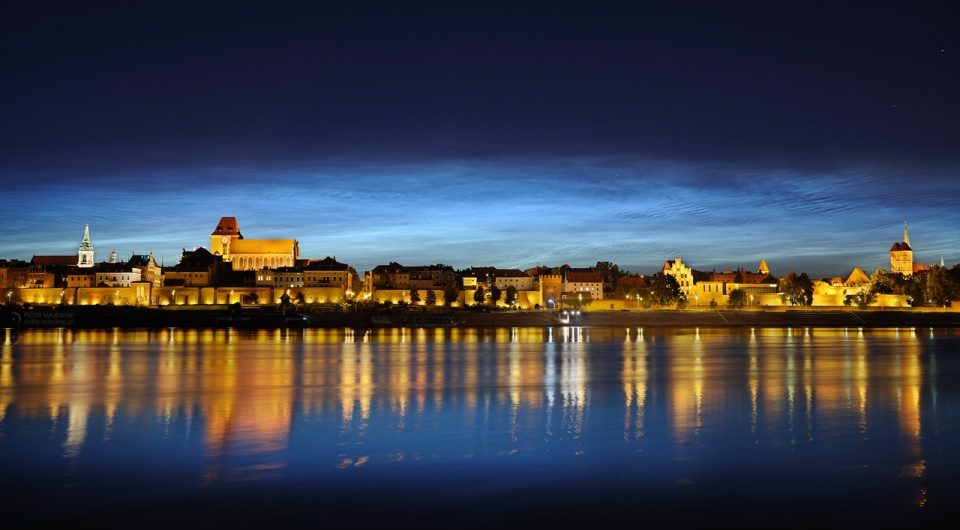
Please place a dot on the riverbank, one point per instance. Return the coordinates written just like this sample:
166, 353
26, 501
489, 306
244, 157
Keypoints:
827, 318
202, 317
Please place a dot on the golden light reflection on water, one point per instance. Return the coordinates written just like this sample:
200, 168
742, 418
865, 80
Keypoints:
635, 383
241, 389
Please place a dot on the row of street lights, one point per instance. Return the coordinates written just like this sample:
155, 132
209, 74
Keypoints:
696, 299
639, 300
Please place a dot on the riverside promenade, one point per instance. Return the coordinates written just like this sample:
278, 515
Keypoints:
204, 317
723, 318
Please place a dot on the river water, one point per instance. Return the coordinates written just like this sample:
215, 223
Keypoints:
499, 427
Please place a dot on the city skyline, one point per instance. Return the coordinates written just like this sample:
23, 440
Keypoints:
86, 247
488, 135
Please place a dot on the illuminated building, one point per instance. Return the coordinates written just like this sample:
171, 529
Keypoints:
393, 282
85, 252
901, 255
681, 273
758, 286
857, 278
586, 284
227, 242
527, 290
743, 276
197, 268
327, 272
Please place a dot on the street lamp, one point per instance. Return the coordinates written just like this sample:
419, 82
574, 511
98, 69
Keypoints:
697, 298
751, 299
174, 297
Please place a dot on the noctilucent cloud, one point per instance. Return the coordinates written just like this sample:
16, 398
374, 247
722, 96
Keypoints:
486, 134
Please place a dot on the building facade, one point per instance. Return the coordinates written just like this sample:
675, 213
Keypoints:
227, 242
681, 273
85, 252
582, 284
901, 255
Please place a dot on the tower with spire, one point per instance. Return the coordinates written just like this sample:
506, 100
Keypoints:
86, 249
901, 255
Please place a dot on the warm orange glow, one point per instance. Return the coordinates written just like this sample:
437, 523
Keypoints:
248, 377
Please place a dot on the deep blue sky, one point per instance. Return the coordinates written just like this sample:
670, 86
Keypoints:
486, 133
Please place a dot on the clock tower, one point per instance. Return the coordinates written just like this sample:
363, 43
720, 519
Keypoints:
225, 245
223, 235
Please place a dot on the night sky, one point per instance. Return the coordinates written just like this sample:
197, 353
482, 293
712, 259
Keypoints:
486, 134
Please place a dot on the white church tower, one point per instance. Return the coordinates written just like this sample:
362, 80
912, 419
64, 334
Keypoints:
86, 249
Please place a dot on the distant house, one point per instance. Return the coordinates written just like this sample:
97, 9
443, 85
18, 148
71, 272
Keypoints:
501, 278
397, 276
327, 272
48, 271
587, 283
13, 272
116, 275
681, 273
640, 284
394, 282
197, 268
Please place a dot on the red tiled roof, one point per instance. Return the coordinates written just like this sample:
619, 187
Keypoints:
900, 246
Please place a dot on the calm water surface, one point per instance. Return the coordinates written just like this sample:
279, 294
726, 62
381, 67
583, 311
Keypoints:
480, 427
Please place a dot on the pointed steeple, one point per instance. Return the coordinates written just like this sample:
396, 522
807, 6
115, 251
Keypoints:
85, 244
901, 255
85, 251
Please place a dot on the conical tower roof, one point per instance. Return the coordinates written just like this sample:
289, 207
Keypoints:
857, 277
85, 244
763, 269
